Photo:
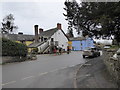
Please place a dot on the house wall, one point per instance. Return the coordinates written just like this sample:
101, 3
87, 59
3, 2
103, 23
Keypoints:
43, 46
61, 38
28, 42
70, 44
76, 45
82, 45
18, 41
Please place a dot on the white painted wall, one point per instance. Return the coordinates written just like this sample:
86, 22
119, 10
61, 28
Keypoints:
41, 47
61, 38
104, 41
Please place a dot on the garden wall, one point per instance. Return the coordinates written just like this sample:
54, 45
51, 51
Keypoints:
10, 59
113, 64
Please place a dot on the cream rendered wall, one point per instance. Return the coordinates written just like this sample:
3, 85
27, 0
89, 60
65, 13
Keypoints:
61, 38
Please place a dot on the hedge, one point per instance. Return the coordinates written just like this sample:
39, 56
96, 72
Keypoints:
12, 48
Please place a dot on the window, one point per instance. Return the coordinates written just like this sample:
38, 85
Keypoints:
41, 39
52, 39
45, 39
56, 43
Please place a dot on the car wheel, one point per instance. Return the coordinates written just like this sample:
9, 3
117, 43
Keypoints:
83, 56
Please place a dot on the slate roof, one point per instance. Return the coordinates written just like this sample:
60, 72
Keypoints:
35, 45
48, 33
19, 37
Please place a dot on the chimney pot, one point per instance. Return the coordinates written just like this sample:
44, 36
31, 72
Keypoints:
59, 26
40, 30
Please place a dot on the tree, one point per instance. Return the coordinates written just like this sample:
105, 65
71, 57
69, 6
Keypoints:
8, 24
99, 19
71, 8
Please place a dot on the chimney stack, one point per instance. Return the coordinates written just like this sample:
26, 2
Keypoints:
36, 33
59, 26
40, 30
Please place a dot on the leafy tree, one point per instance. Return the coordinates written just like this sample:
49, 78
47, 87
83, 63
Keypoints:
71, 8
99, 19
8, 24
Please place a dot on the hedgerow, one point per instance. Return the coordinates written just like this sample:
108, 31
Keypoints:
12, 48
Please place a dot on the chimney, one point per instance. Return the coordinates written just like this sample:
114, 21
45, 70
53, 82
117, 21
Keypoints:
36, 33
40, 30
59, 26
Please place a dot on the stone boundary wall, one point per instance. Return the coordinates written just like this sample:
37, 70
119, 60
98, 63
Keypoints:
9, 59
113, 65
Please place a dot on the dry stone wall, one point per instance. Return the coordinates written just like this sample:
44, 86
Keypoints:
113, 64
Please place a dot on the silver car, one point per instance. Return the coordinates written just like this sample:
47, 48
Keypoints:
91, 52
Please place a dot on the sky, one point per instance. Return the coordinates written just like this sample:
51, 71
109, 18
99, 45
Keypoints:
27, 13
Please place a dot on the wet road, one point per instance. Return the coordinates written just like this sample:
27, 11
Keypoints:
43, 72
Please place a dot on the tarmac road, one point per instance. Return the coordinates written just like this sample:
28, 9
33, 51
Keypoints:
48, 71
94, 74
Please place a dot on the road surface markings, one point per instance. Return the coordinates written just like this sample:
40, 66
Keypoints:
72, 65
63, 68
75, 83
27, 77
43, 73
54, 70
8, 83
87, 75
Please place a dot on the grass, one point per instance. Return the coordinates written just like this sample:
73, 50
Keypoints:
115, 47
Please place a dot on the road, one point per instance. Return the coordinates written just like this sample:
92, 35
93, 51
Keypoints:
47, 71
94, 74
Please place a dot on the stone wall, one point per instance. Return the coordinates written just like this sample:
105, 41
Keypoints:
9, 59
113, 64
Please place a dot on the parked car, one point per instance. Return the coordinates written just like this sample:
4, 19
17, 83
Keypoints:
117, 54
91, 52
106, 46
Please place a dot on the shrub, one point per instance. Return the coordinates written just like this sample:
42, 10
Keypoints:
35, 50
11, 48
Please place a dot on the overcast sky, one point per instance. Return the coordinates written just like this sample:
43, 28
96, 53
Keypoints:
44, 13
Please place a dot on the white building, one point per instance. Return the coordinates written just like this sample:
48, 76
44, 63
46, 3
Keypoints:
45, 40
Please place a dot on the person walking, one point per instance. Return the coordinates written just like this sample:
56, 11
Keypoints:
54, 50
68, 50
60, 50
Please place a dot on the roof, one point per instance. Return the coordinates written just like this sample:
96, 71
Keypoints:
48, 33
19, 37
35, 45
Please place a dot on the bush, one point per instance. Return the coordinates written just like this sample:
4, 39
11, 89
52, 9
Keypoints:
11, 48
35, 50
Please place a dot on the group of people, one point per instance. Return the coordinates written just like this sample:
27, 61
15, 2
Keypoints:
57, 50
